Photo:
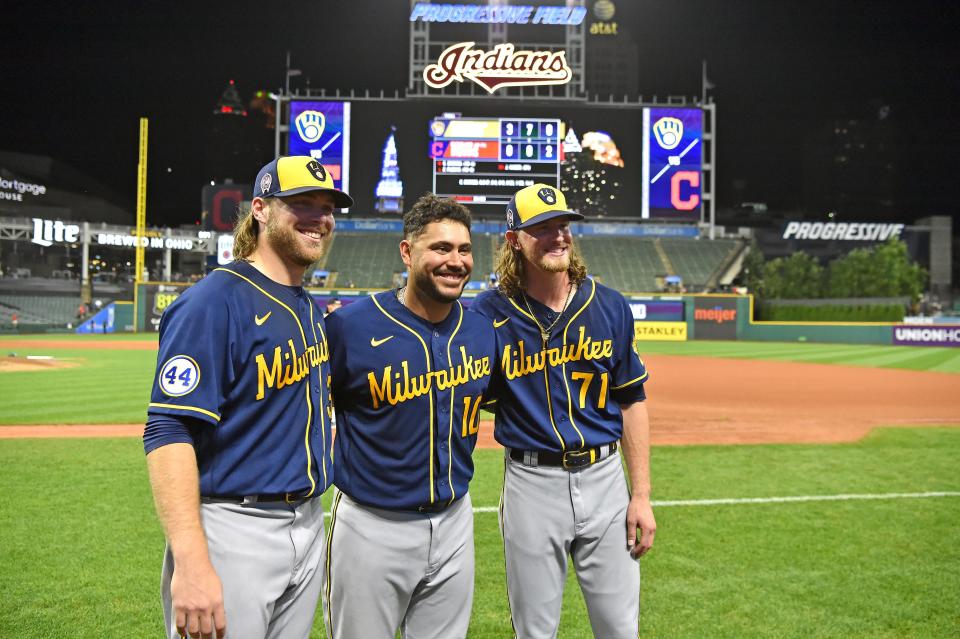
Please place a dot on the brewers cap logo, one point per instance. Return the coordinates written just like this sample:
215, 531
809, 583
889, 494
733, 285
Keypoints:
317, 170
549, 196
265, 182
509, 217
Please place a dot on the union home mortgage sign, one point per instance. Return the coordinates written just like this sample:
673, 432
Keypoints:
501, 66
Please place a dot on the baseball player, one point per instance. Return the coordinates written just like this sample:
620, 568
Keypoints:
573, 397
238, 433
410, 369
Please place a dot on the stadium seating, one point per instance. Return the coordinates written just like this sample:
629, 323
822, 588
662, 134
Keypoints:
364, 260
626, 264
39, 309
629, 264
484, 249
697, 260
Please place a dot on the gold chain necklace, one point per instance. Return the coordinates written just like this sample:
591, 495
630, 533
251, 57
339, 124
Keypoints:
545, 332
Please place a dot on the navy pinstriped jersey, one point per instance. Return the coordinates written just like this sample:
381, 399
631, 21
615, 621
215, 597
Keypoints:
249, 357
568, 396
407, 397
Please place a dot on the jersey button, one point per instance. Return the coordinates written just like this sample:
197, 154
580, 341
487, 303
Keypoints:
436, 333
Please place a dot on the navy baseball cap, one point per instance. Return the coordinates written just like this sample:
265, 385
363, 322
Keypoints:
537, 203
297, 174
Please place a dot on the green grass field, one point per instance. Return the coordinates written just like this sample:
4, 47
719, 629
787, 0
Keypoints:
80, 548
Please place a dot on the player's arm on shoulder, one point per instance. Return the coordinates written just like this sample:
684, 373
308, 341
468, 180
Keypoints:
636, 451
195, 588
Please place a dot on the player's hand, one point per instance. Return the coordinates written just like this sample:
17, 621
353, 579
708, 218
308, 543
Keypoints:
640, 515
197, 596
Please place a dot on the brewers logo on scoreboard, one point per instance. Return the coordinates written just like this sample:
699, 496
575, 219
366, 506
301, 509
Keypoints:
672, 163
322, 131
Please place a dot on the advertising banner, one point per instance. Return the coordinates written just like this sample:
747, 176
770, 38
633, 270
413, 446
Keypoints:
660, 331
715, 318
657, 311
938, 335
157, 298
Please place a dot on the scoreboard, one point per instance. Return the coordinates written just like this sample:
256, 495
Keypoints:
322, 131
482, 162
672, 164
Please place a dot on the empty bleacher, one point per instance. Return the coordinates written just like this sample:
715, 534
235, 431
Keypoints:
484, 248
629, 264
364, 260
43, 310
623, 263
697, 260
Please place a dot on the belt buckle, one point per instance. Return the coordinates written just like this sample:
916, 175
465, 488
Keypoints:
577, 459
435, 507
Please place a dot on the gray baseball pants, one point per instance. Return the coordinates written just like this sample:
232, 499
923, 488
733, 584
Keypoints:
548, 513
268, 559
387, 570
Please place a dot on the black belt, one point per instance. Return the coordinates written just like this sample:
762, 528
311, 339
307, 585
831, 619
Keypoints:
257, 499
435, 507
569, 459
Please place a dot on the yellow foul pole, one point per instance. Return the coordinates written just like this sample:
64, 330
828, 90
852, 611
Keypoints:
141, 221
141, 200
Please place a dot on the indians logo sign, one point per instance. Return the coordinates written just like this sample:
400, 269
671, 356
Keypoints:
499, 67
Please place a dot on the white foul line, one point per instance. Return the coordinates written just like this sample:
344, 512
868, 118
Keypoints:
770, 500
776, 500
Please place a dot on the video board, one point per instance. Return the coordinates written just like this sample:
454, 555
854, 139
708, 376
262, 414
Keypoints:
482, 162
672, 163
322, 131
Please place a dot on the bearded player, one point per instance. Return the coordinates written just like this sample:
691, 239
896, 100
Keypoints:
573, 396
238, 435
410, 369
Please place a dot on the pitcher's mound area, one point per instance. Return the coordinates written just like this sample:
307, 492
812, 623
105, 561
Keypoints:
16, 364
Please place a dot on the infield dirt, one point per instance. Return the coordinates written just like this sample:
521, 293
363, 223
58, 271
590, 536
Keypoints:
696, 400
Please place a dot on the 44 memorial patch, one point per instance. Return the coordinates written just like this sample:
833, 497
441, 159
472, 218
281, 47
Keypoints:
179, 376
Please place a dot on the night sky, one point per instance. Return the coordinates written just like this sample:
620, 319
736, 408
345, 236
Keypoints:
78, 75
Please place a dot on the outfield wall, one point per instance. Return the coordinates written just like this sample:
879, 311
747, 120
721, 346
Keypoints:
657, 317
